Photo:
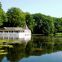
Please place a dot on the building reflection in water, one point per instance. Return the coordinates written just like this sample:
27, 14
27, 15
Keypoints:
37, 46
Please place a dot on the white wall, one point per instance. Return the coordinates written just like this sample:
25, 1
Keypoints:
9, 35
26, 35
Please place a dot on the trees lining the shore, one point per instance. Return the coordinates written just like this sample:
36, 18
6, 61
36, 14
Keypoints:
38, 23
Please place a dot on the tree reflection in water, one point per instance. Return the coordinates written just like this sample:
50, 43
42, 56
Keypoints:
38, 45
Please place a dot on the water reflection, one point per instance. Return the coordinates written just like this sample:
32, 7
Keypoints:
53, 57
37, 47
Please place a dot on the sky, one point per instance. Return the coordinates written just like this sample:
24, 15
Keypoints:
47, 7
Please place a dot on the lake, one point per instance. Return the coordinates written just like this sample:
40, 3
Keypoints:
38, 49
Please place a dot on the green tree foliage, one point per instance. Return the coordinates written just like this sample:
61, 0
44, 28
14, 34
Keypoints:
41, 24
30, 21
0, 5
51, 23
15, 17
58, 25
2, 16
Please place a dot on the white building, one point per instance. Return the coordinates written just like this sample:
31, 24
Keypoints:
15, 33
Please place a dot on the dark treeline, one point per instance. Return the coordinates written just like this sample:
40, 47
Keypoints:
38, 23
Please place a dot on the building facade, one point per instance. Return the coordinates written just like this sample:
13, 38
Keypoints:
15, 33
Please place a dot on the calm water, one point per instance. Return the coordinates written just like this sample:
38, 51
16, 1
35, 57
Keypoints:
38, 49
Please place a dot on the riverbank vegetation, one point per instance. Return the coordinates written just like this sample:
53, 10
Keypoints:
38, 23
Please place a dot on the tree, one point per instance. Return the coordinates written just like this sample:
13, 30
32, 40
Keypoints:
2, 16
41, 24
58, 25
0, 5
16, 17
30, 21
51, 24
